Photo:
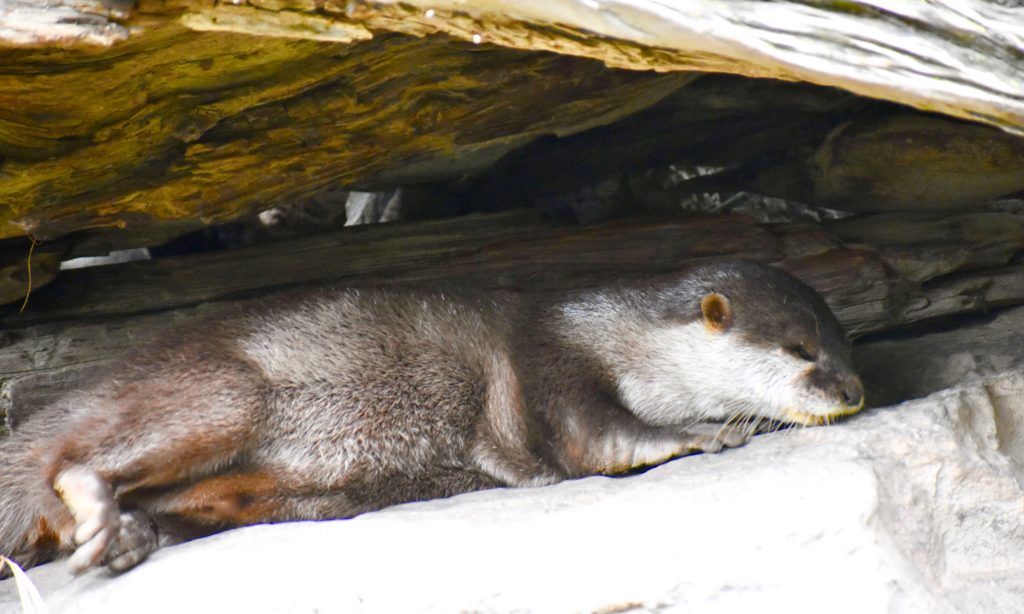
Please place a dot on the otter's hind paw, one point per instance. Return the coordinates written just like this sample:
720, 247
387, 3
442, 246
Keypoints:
135, 540
91, 502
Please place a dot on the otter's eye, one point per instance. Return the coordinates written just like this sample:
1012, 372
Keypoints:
802, 352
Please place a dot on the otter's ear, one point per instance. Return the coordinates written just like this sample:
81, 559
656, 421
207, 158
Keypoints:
717, 312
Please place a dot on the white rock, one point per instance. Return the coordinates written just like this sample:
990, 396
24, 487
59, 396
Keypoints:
914, 508
913, 365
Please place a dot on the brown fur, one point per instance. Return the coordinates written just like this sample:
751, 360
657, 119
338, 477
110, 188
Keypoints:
332, 403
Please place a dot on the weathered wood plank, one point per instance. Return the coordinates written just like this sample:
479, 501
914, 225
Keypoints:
212, 110
957, 57
213, 125
519, 250
961, 58
29, 23
509, 250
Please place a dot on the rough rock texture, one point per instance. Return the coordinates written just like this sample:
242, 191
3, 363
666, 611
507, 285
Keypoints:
914, 364
911, 508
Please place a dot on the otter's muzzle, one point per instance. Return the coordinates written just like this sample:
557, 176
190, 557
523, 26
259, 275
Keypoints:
851, 393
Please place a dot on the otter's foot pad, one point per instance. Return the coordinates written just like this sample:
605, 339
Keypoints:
135, 540
91, 503
711, 438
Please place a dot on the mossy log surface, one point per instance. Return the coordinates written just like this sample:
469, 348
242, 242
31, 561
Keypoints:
125, 115
877, 272
178, 124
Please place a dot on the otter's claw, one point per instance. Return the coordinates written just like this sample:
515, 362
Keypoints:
711, 438
91, 503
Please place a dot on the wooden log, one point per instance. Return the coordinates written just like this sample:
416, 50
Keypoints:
28, 23
956, 57
125, 114
209, 126
514, 250
902, 162
518, 250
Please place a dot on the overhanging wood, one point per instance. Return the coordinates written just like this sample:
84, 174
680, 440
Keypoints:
125, 115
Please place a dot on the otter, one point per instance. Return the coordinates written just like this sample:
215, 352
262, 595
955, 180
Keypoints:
334, 402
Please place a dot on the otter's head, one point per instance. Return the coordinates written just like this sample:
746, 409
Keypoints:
728, 340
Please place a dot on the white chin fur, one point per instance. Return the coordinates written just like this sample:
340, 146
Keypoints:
690, 373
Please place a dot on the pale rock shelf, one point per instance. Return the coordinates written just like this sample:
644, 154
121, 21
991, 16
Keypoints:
913, 508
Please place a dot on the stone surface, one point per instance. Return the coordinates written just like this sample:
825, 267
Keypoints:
911, 365
911, 508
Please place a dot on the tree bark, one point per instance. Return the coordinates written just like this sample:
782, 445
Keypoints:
129, 115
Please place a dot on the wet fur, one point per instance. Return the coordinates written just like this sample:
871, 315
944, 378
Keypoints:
332, 403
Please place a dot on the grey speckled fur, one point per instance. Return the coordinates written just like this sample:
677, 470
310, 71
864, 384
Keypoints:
330, 403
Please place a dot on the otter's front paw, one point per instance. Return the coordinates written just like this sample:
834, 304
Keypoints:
711, 438
97, 521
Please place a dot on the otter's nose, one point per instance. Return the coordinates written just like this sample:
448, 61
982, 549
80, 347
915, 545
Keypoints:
853, 392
